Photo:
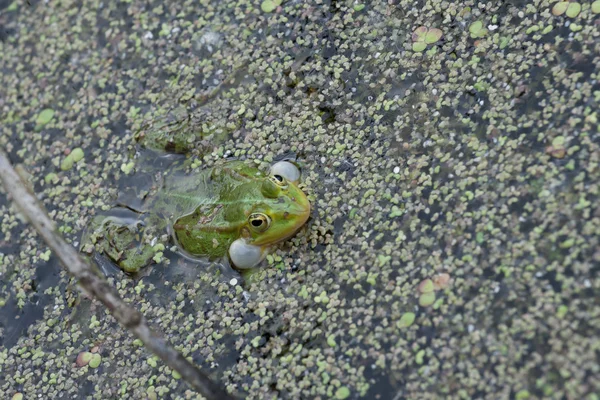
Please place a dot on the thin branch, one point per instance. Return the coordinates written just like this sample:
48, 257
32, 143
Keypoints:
95, 285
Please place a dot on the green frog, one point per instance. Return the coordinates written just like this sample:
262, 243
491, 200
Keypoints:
232, 211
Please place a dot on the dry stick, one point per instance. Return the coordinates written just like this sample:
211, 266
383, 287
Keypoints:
127, 316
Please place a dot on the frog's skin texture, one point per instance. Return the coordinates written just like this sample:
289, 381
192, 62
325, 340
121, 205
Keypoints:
206, 213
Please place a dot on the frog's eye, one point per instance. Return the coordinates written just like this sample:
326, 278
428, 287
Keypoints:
285, 170
278, 180
259, 222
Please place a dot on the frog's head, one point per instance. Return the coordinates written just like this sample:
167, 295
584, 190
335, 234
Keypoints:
283, 210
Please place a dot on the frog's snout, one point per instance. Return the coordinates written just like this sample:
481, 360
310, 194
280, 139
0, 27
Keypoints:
288, 214
299, 207
305, 212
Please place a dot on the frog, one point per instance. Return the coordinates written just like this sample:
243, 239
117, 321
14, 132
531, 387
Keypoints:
233, 211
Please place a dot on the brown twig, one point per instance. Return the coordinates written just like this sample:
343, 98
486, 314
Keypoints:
95, 285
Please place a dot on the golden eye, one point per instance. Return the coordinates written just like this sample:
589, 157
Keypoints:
259, 222
278, 180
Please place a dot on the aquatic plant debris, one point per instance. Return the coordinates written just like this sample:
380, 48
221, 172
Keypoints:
440, 164
44, 117
406, 320
84, 358
422, 36
270, 5
477, 30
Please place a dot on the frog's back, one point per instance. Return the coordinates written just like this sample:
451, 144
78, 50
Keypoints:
183, 194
